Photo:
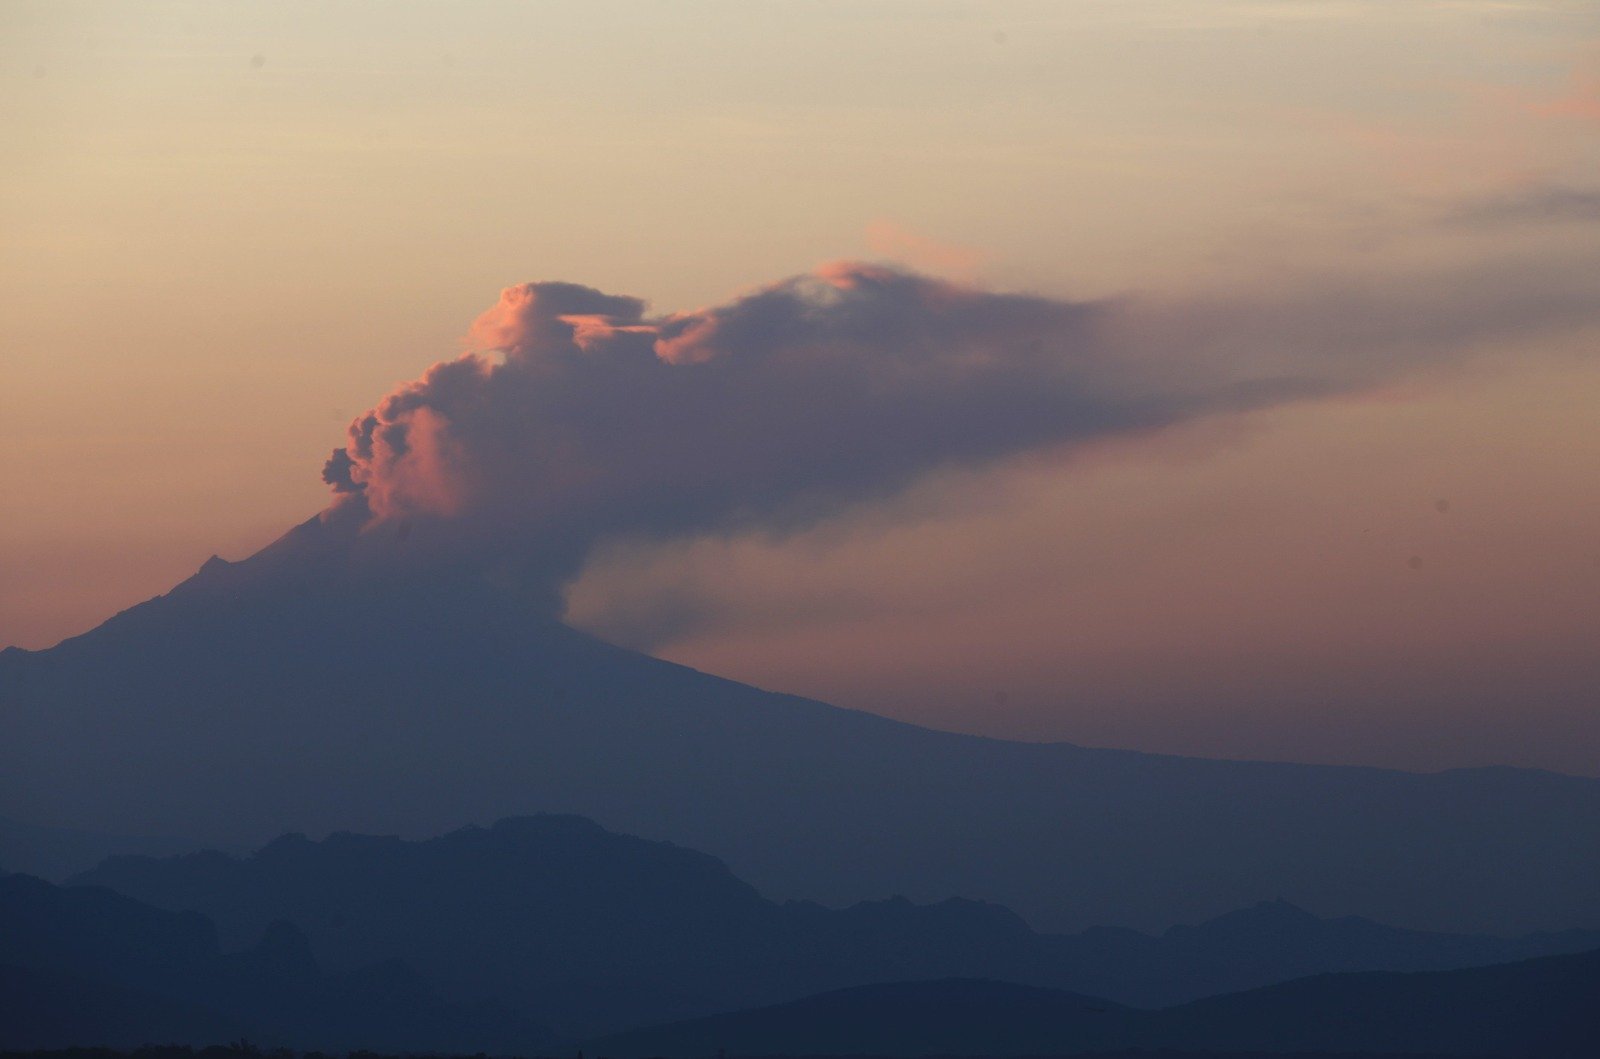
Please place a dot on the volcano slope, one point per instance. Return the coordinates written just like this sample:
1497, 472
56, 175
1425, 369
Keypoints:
300, 690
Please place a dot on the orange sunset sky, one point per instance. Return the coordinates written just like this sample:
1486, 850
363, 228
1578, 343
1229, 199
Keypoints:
228, 229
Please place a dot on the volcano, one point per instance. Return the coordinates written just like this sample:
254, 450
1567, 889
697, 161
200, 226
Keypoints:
314, 687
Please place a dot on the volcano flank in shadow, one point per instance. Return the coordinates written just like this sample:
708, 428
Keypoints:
313, 687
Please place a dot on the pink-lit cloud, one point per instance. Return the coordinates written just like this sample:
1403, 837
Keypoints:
895, 242
1578, 99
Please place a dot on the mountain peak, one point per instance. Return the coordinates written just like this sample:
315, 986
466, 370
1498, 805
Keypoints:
329, 682
1278, 910
1274, 917
547, 824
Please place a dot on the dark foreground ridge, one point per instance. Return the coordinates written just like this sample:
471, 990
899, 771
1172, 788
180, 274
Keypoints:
298, 690
550, 929
88, 966
1545, 1008
590, 931
245, 1050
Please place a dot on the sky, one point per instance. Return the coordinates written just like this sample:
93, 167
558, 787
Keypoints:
230, 229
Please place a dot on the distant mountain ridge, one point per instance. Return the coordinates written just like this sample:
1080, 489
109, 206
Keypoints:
56, 853
1544, 1007
587, 930
314, 688
83, 966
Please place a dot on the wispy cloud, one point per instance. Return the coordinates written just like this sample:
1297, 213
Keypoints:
1540, 204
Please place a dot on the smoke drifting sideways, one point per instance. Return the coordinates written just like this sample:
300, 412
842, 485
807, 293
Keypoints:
574, 416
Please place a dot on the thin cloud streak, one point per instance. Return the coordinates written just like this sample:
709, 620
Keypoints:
1541, 204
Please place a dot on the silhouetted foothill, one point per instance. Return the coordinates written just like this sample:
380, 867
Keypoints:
1543, 1007
589, 931
84, 964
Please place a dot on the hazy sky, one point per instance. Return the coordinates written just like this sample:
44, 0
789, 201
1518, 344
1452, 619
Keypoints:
228, 229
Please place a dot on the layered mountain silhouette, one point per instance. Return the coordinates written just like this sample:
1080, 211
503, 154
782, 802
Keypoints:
590, 931
57, 852
1545, 1007
309, 689
85, 966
